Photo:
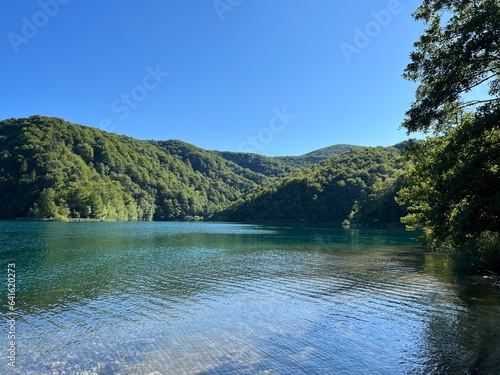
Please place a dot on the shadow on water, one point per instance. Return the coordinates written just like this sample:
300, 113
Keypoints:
467, 338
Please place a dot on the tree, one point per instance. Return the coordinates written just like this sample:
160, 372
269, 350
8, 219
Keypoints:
459, 51
455, 176
377, 205
45, 207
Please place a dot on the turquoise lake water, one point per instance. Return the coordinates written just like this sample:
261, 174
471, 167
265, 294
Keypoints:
213, 298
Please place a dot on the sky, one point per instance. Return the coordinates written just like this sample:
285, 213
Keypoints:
276, 77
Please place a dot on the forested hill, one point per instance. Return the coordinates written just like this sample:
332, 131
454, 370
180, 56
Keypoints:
316, 156
50, 168
358, 186
281, 166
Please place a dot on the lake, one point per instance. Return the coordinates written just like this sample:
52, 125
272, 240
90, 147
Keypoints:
214, 298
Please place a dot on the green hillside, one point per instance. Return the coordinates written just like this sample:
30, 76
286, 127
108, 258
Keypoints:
265, 165
54, 169
359, 185
51, 168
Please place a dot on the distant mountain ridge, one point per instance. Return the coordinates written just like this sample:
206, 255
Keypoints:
316, 156
321, 154
50, 168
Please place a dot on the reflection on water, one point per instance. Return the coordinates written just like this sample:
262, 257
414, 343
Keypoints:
206, 298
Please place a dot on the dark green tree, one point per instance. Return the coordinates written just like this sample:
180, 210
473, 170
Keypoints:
454, 178
45, 207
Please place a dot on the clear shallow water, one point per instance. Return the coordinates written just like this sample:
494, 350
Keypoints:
208, 298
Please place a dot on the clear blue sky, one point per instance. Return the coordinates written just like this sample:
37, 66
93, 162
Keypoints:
278, 77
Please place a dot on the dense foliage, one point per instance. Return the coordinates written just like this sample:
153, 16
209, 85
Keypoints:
281, 166
54, 169
328, 192
316, 156
454, 179
270, 167
51, 168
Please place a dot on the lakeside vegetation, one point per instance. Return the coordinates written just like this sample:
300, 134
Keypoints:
453, 190
336, 190
53, 169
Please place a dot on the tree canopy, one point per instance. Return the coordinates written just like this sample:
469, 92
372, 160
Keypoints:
459, 51
53, 169
453, 187
329, 192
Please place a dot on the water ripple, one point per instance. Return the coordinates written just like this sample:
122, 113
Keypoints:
246, 304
